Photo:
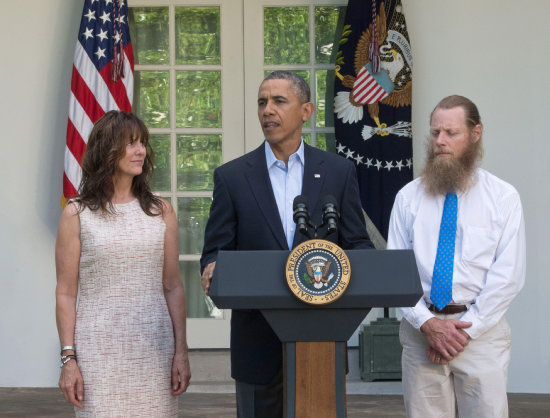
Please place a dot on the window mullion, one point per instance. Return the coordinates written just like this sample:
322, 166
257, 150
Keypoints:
173, 118
312, 74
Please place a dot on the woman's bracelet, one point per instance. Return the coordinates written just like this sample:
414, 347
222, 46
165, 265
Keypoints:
66, 359
67, 347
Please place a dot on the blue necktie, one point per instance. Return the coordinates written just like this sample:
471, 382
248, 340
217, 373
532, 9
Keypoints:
442, 281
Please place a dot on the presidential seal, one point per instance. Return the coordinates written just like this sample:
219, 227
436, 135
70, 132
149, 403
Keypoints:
317, 272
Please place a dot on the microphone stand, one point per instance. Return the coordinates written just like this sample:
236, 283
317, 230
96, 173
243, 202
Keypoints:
315, 230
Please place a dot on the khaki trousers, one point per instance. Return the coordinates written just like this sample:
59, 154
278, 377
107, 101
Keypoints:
473, 384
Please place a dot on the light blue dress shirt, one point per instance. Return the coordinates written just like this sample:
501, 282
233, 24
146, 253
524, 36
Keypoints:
287, 184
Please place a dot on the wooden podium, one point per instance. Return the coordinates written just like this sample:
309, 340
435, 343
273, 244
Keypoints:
314, 337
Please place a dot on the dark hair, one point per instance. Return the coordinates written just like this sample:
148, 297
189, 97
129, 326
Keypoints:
106, 146
298, 84
471, 114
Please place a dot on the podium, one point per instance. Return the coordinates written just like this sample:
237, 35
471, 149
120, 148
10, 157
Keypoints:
314, 337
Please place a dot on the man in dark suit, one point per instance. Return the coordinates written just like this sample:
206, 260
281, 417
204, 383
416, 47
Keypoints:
252, 210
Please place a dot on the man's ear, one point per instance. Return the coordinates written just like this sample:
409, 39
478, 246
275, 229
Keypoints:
476, 132
307, 111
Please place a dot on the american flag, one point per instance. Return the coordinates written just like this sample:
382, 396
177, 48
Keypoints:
102, 79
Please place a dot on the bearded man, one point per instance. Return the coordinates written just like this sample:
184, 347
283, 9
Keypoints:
467, 231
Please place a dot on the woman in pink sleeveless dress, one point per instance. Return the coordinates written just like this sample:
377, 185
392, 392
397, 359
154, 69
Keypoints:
123, 346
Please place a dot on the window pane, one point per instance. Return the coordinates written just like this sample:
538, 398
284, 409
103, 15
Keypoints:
149, 31
198, 102
321, 95
198, 35
192, 216
161, 151
322, 140
326, 142
152, 98
197, 303
326, 19
197, 157
286, 35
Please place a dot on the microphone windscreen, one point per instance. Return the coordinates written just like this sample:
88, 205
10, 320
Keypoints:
300, 199
329, 199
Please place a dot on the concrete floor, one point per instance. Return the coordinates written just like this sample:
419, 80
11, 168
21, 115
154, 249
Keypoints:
48, 402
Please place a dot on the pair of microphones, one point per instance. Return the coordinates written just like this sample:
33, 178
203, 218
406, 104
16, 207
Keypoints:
301, 217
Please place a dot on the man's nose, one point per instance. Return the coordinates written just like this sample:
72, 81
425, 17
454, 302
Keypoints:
440, 139
268, 109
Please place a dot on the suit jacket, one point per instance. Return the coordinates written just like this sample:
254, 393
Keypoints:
244, 216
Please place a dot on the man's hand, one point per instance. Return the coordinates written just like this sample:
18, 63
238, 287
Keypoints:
446, 338
435, 356
206, 277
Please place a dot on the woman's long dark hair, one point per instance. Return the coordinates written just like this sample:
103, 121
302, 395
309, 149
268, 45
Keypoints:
106, 146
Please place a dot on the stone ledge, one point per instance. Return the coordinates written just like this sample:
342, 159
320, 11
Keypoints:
353, 387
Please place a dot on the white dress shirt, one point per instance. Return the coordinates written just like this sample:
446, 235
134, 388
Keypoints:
286, 184
489, 260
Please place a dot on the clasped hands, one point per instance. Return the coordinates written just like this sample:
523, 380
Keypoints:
446, 339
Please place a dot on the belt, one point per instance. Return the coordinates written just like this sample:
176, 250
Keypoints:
449, 309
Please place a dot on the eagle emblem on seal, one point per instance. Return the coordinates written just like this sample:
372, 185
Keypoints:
391, 86
317, 271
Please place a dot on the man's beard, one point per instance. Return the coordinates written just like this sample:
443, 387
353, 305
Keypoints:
450, 174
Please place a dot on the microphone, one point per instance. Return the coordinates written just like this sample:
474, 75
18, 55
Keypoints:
301, 214
331, 216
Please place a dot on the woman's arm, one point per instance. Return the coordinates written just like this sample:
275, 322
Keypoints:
67, 258
175, 299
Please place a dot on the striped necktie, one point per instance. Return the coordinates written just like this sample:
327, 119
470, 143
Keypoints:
442, 281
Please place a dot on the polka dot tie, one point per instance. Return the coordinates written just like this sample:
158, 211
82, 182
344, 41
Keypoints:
442, 281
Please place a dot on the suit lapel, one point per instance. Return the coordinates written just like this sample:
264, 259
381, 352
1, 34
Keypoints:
314, 177
258, 178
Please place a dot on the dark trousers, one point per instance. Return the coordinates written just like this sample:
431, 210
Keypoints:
260, 401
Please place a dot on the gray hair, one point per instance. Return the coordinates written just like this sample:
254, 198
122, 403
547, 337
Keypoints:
297, 83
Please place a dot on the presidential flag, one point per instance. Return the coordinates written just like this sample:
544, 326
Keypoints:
372, 105
102, 79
